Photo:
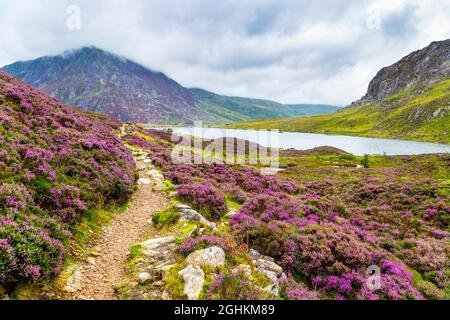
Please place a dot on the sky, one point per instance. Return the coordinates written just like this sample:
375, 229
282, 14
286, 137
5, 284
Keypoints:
291, 51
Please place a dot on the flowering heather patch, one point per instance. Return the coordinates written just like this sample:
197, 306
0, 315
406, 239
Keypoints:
327, 226
204, 197
298, 291
136, 141
232, 286
55, 163
192, 244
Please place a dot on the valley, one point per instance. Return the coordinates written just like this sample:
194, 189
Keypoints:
93, 207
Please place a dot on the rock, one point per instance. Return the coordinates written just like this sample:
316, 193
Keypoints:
255, 254
144, 181
275, 286
213, 256
165, 295
147, 160
193, 277
144, 278
150, 253
157, 242
73, 282
154, 274
244, 269
263, 264
181, 206
192, 215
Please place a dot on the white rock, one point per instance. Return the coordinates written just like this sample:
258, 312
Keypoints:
213, 256
275, 286
144, 181
157, 242
144, 278
192, 215
193, 277
264, 264
150, 253
73, 282
181, 206
147, 160
255, 254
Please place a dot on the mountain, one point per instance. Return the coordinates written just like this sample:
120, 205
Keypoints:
237, 108
96, 80
407, 100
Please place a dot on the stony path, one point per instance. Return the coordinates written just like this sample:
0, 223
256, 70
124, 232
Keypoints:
105, 269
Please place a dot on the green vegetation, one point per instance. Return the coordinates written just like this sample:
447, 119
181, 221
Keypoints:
406, 115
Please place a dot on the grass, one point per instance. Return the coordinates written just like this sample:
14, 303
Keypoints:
406, 115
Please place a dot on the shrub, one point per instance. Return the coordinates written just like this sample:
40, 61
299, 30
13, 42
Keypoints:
205, 198
55, 163
232, 286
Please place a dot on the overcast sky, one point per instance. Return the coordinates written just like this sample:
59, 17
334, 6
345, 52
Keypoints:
291, 51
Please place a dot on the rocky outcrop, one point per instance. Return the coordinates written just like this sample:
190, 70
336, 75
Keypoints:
420, 68
266, 265
188, 214
213, 256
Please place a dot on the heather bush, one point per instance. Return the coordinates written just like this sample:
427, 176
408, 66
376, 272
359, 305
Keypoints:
205, 198
191, 244
232, 286
55, 163
297, 291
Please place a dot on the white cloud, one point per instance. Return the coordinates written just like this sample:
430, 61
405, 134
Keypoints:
292, 51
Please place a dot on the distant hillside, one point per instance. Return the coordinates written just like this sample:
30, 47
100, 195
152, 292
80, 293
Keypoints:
408, 100
312, 109
96, 80
237, 108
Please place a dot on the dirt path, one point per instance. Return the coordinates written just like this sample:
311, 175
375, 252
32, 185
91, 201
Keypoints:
104, 271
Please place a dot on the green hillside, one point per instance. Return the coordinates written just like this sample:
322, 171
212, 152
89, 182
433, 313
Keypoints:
421, 114
229, 109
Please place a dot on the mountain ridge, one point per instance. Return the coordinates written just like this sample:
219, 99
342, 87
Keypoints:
93, 79
398, 105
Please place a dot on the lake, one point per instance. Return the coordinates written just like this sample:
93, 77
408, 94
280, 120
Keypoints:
303, 141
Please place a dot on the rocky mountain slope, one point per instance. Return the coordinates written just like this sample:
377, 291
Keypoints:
96, 80
408, 100
418, 70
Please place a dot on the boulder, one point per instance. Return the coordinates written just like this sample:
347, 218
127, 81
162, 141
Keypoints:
213, 256
264, 264
181, 206
74, 281
144, 278
193, 278
255, 254
157, 242
275, 286
192, 215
